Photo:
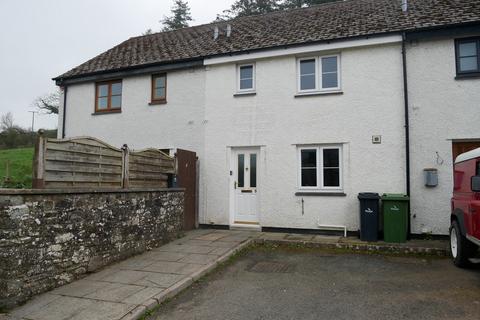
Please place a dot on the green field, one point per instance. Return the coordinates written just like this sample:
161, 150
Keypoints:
19, 163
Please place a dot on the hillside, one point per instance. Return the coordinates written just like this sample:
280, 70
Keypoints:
19, 163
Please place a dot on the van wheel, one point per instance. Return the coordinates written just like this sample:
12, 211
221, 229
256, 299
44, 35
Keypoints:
460, 248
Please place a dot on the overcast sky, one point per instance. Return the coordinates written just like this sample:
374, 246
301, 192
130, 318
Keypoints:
40, 39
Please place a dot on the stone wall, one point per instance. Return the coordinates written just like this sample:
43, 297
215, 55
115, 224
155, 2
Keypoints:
50, 238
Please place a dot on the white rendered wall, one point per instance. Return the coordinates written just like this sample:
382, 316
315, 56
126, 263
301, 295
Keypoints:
442, 109
371, 104
177, 124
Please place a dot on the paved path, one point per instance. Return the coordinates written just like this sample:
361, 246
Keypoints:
127, 289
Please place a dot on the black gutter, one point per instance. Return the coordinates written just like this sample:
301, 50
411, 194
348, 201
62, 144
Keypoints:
407, 124
65, 89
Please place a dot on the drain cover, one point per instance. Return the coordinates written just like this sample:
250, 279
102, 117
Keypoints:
271, 267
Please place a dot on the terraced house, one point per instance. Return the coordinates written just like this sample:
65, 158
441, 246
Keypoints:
293, 113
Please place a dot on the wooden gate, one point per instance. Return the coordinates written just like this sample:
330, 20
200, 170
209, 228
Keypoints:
187, 178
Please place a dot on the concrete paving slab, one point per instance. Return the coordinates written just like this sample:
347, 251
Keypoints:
330, 239
213, 236
143, 278
195, 242
219, 251
63, 308
186, 248
114, 292
172, 267
198, 258
143, 296
34, 305
102, 310
79, 288
299, 237
223, 244
165, 256
136, 263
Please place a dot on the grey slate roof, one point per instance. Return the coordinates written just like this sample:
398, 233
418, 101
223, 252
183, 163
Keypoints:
337, 20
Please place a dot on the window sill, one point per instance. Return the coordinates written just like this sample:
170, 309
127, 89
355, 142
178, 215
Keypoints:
98, 113
463, 76
321, 194
245, 94
318, 93
154, 103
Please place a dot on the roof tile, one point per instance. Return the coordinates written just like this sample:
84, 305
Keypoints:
337, 20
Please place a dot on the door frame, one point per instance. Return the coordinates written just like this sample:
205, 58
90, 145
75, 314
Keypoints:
231, 156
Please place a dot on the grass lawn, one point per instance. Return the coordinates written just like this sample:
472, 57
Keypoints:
20, 167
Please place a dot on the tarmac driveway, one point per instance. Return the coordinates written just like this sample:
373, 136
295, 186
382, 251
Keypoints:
291, 284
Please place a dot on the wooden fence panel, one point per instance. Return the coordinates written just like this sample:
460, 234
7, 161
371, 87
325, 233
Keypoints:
149, 168
87, 162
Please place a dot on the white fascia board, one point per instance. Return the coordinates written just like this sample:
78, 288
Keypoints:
298, 50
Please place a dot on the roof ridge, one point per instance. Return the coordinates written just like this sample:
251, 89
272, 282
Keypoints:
339, 19
315, 6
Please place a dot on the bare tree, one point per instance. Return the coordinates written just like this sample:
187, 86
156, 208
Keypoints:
48, 103
6, 121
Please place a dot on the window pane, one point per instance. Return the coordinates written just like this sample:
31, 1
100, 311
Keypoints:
160, 93
329, 64
246, 72
331, 158
253, 170
241, 167
116, 89
116, 102
331, 177
102, 103
309, 158
468, 64
329, 80
307, 82
307, 67
160, 82
246, 84
103, 90
309, 177
467, 49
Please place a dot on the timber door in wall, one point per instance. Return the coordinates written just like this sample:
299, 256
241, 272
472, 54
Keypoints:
245, 172
462, 147
187, 178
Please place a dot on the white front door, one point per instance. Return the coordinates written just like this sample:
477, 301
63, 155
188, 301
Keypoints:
245, 173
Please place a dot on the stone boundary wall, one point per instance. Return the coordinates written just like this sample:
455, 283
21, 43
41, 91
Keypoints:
49, 237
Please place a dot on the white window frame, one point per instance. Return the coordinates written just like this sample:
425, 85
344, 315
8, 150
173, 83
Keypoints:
319, 74
319, 152
253, 77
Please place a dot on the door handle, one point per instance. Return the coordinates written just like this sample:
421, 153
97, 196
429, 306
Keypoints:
473, 210
235, 185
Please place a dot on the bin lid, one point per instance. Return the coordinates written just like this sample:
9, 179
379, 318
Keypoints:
395, 197
368, 195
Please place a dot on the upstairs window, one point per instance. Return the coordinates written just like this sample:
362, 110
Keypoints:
108, 96
320, 168
468, 56
319, 74
159, 88
246, 78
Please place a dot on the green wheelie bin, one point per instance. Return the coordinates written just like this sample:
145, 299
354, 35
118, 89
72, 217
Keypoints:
395, 217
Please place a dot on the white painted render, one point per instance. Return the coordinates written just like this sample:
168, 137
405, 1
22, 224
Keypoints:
203, 115
276, 121
442, 110
177, 124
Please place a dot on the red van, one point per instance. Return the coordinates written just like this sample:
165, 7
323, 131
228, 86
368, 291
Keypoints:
465, 217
